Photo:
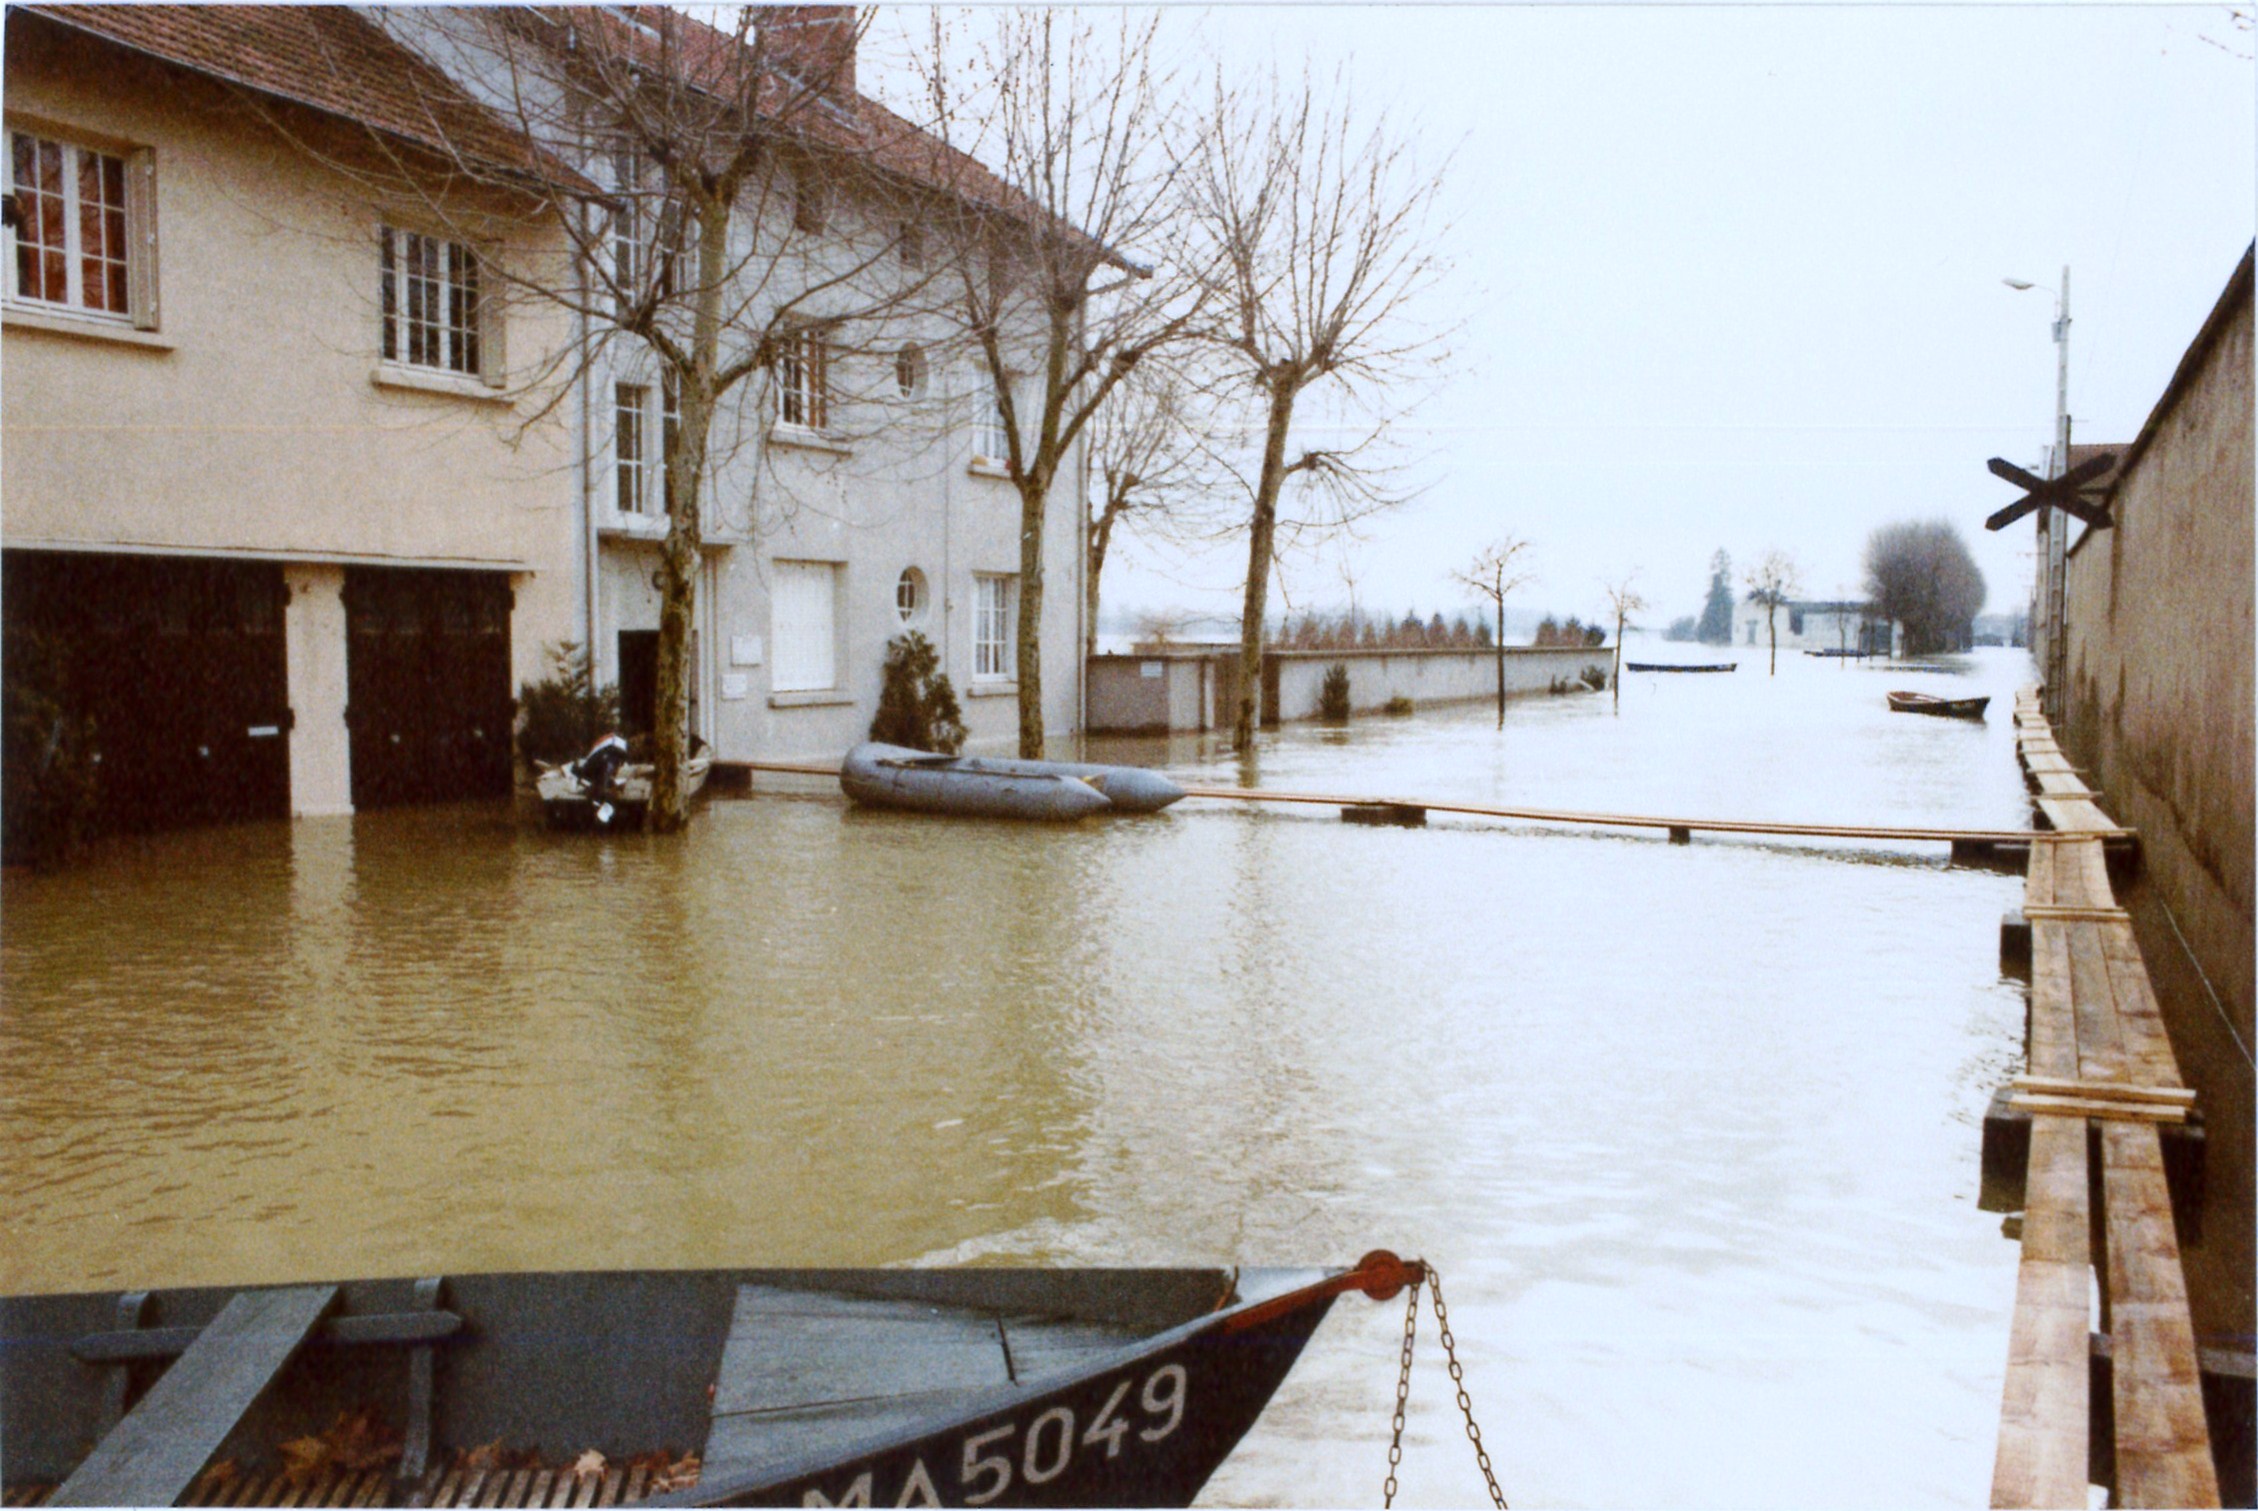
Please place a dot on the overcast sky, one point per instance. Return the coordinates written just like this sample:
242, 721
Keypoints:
1731, 276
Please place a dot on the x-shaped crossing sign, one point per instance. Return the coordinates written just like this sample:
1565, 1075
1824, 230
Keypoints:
2062, 492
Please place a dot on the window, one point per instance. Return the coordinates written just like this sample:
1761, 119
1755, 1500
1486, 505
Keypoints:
803, 379
992, 440
627, 444
75, 216
430, 301
641, 468
909, 372
647, 233
803, 624
909, 595
912, 245
991, 629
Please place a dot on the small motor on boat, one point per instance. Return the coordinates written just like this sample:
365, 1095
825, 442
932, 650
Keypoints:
598, 770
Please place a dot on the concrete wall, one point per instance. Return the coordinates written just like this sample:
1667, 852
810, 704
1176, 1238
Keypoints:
2158, 707
256, 419
1179, 690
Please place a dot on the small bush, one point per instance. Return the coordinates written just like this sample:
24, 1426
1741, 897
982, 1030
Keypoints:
1333, 695
1400, 705
563, 714
916, 705
53, 786
1595, 678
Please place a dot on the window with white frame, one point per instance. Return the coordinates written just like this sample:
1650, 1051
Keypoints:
633, 467
804, 626
803, 378
811, 200
647, 232
430, 301
81, 227
642, 474
991, 628
992, 439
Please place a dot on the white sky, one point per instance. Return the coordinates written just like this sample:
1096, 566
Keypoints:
1731, 276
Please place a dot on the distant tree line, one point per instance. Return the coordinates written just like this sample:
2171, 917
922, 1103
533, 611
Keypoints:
1356, 630
1574, 632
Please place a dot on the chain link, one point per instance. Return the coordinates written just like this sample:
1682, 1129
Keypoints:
1458, 1382
1403, 1396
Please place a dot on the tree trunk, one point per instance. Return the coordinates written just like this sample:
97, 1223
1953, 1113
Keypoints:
1617, 689
1101, 535
1261, 541
679, 554
1772, 628
1032, 492
1501, 661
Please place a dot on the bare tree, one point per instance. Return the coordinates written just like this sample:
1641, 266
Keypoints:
1319, 239
1623, 601
1497, 572
1772, 582
1151, 468
690, 164
1073, 122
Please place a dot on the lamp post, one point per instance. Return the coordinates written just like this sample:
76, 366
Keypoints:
2053, 533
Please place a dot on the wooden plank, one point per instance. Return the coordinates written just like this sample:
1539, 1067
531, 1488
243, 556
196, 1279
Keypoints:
2148, 1048
636, 1480
2060, 914
2101, 1054
609, 1495
2054, 1032
2041, 1459
2038, 885
538, 1494
2163, 1442
156, 1452
2076, 816
791, 1348
745, 1445
562, 1494
2088, 1107
1042, 1346
448, 1487
2107, 1091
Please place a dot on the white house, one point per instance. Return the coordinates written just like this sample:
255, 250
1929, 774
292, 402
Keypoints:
1840, 626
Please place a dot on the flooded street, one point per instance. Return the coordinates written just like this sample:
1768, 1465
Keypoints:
1690, 1131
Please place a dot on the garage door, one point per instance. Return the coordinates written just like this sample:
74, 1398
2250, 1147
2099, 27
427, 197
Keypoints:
180, 664
428, 700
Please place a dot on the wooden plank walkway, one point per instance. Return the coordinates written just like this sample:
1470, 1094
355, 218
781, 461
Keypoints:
2099, 1059
2097, 825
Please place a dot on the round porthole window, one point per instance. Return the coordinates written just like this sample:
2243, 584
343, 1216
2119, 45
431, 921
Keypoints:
909, 372
909, 595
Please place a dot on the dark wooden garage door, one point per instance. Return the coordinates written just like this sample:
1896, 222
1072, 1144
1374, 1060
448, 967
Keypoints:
428, 677
179, 662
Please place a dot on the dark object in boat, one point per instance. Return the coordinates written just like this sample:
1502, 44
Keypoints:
1948, 708
1669, 666
606, 789
871, 1387
890, 776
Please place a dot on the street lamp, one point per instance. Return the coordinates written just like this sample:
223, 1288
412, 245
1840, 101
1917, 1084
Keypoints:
2060, 462
2053, 534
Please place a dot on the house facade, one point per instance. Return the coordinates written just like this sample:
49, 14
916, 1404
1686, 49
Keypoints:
295, 500
1816, 625
278, 515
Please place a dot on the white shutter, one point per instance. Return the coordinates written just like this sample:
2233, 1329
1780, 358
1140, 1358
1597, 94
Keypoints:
803, 612
141, 236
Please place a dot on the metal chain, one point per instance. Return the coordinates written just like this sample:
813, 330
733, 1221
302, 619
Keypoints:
1458, 1379
1403, 1395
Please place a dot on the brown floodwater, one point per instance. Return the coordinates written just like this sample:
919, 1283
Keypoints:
1691, 1131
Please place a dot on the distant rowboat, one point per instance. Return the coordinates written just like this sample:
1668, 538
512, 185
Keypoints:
1944, 708
1669, 666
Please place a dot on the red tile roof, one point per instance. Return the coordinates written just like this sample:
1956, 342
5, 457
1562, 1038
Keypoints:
326, 57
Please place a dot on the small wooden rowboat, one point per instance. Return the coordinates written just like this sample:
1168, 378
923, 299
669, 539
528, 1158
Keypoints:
1670, 666
691, 1387
892, 776
1948, 708
570, 802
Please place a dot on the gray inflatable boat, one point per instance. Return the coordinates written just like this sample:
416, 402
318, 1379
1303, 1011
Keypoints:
892, 776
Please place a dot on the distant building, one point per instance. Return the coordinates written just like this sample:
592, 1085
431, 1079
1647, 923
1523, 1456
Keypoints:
1838, 625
